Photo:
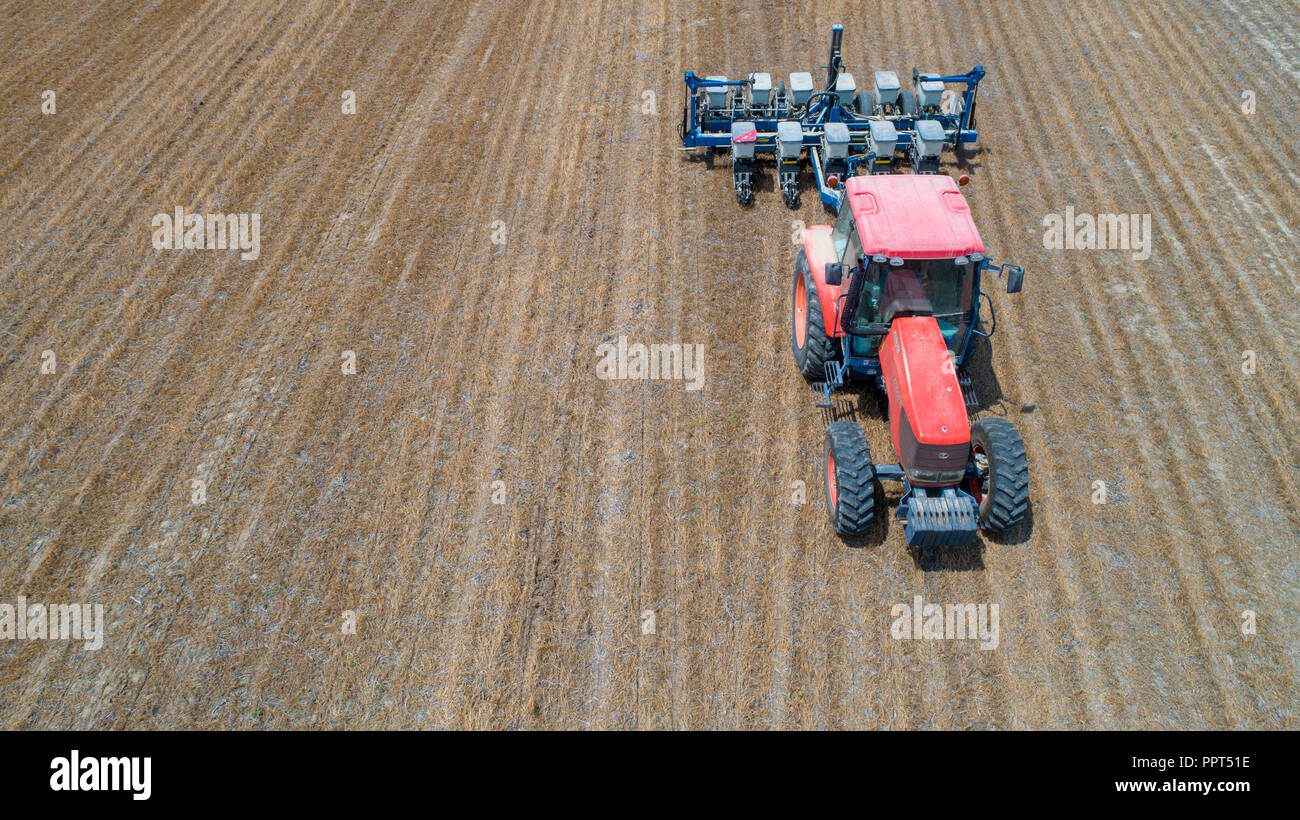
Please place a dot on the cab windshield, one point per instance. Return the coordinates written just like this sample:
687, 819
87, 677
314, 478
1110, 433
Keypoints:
947, 288
944, 283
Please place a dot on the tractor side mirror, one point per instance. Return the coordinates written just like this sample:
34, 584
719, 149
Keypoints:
1015, 278
834, 272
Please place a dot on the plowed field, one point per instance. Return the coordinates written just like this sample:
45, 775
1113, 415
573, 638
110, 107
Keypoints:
507, 197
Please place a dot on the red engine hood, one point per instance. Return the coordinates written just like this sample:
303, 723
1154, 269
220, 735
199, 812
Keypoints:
920, 378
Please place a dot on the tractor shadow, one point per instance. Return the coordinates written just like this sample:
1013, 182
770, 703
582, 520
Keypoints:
880, 523
949, 559
988, 390
969, 160
993, 402
702, 156
979, 366
861, 406
971, 558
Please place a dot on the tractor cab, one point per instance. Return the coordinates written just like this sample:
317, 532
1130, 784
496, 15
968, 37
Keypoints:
913, 234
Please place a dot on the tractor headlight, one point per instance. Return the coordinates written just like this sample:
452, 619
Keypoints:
937, 476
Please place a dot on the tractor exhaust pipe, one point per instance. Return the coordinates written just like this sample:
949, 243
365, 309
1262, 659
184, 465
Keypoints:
833, 62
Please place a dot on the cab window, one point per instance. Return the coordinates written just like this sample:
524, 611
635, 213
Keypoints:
852, 254
842, 229
868, 307
867, 311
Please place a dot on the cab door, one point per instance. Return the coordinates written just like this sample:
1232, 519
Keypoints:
842, 230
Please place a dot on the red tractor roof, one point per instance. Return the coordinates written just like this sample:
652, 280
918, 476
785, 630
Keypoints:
913, 216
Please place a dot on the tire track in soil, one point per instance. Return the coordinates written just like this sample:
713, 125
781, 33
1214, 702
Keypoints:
100, 560
745, 495
89, 134
676, 623
474, 263
116, 318
159, 469
522, 657
320, 428
400, 157
612, 571
139, 406
1190, 587
714, 608
661, 311
523, 187
1081, 671
476, 663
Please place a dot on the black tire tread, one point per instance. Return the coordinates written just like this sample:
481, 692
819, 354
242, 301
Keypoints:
1007, 499
856, 476
819, 348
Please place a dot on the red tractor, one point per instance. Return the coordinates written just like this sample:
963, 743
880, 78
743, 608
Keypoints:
891, 293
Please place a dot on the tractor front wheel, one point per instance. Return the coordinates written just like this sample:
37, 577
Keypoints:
850, 478
1003, 487
812, 346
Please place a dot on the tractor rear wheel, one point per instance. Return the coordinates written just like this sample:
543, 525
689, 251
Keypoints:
850, 478
1005, 488
811, 344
